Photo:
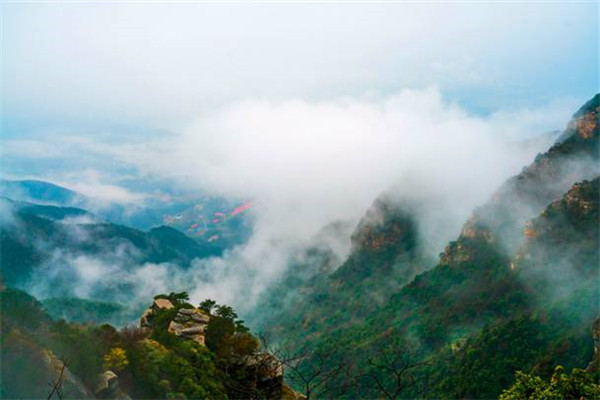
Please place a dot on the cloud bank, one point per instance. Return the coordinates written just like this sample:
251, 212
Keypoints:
307, 164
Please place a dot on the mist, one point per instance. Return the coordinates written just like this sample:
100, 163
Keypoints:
306, 165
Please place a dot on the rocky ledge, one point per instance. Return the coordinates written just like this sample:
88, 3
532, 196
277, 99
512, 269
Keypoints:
190, 323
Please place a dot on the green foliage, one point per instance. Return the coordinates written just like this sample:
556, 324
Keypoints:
165, 366
116, 359
578, 385
484, 365
182, 370
22, 309
82, 347
208, 305
178, 299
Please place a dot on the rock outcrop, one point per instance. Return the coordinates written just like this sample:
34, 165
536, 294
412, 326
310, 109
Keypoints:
190, 323
148, 315
501, 222
108, 387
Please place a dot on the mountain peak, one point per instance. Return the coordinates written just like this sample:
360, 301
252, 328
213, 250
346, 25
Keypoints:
584, 124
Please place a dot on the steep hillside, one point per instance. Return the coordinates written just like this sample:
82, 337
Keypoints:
573, 158
558, 264
385, 243
490, 274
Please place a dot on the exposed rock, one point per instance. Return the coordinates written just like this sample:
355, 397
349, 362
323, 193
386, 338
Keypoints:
108, 387
162, 304
108, 381
501, 222
268, 365
190, 323
384, 226
71, 383
200, 317
147, 316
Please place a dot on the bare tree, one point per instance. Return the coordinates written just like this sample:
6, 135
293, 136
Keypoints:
309, 369
56, 384
392, 369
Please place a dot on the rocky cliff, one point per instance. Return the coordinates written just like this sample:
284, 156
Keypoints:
188, 323
502, 220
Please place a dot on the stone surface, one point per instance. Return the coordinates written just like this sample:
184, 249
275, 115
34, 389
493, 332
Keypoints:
108, 387
190, 323
162, 304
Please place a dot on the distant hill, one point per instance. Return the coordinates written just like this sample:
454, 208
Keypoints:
51, 212
214, 220
35, 191
37, 236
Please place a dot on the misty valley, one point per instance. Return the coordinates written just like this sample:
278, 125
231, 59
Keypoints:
126, 301
299, 199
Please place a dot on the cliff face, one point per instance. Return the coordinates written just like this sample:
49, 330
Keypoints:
187, 323
385, 239
385, 227
502, 220
559, 256
190, 324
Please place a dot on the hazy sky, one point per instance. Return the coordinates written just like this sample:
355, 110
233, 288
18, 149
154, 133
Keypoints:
157, 65
94, 91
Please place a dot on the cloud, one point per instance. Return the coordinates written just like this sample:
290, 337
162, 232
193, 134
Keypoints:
306, 164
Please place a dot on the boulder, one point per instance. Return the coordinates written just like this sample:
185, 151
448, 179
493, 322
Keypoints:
108, 387
193, 330
190, 324
162, 304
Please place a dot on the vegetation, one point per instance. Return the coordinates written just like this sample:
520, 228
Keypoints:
149, 365
577, 385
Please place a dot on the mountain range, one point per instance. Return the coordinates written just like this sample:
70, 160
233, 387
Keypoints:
506, 310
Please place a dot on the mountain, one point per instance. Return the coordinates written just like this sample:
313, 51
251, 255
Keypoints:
499, 280
54, 213
223, 223
573, 158
35, 191
35, 238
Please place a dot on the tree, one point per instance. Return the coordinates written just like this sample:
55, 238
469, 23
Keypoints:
208, 305
578, 385
391, 370
116, 359
227, 312
308, 369
178, 299
57, 383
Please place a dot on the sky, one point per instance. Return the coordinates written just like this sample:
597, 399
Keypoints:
311, 109
116, 73
157, 65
